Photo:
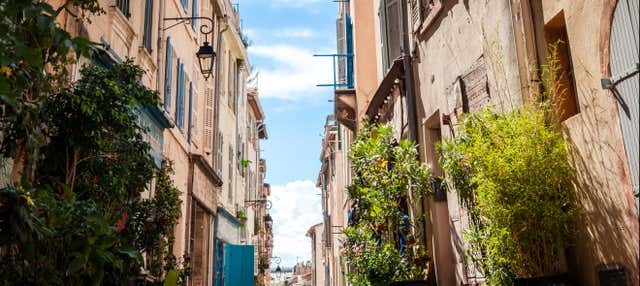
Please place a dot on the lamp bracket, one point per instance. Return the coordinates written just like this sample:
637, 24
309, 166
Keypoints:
254, 203
205, 29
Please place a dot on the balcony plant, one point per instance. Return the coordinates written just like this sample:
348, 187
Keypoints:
512, 173
241, 215
381, 244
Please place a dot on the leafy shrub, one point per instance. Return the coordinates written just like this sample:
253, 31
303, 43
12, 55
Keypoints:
380, 245
512, 173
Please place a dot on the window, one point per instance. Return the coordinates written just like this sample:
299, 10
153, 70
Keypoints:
566, 102
390, 34
420, 9
208, 121
230, 183
168, 75
191, 130
123, 6
231, 83
185, 5
148, 23
342, 49
180, 97
194, 13
219, 152
240, 154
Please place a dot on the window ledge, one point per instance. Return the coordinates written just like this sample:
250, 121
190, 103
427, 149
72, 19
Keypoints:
426, 23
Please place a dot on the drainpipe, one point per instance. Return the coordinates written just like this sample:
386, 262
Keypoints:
159, 51
187, 219
216, 116
216, 93
408, 79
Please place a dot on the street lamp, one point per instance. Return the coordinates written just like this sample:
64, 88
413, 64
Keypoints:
206, 55
268, 220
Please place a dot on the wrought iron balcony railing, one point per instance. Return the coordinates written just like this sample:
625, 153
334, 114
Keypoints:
123, 6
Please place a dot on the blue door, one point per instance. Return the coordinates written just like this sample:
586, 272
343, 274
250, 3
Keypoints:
218, 279
238, 265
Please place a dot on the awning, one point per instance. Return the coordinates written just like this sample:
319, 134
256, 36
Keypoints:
386, 87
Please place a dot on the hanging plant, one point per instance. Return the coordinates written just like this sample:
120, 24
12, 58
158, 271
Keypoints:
381, 245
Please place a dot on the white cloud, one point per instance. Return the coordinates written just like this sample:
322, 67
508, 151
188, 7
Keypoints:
295, 33
296, 207
294, 72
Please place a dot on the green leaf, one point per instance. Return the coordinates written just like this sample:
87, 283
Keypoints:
172, 278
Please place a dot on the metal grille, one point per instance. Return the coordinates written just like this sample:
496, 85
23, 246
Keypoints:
416, 13
123, 6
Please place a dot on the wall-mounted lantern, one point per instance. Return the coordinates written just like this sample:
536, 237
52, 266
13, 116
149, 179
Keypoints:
206, 55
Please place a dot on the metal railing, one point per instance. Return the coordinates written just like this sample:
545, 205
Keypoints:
123, 6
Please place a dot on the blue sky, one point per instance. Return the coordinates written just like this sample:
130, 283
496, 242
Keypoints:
285, 34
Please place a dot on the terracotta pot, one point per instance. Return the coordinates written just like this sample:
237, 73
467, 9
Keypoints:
549, 280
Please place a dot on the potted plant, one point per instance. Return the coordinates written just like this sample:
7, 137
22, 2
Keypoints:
241, 215
381, 244
511, 172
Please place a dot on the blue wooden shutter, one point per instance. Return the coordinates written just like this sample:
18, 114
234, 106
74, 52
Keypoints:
181, 93
179, 88
194, 13
190, 122
168, 75
349, 40
148, 21
185, 5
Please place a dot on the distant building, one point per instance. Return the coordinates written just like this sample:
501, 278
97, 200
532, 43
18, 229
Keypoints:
319, 267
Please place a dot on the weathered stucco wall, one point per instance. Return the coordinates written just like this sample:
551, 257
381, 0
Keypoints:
454, 46
608, 228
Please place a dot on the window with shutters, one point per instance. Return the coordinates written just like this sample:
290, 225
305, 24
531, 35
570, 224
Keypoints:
168, 75
148, 25
219, 152
420, 10
342, 49
230, 183
391, 36
185, 5
192, 134
566, 101
231, 101
239, 152
208, 121
180, 96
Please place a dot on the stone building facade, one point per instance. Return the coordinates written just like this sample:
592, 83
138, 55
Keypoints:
466, 55
210, 127
319, 266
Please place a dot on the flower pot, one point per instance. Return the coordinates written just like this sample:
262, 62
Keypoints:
550, 280
410, 283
